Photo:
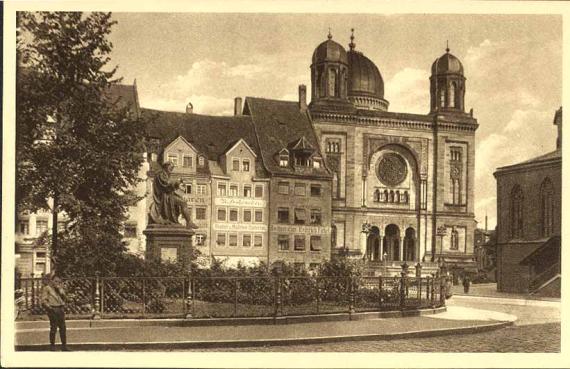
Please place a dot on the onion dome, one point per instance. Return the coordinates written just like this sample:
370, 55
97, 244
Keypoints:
330, 51
365, 83
447, 64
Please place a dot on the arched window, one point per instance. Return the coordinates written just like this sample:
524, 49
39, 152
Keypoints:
516, 212
546, 208
332, 85
442, 98
397, 198
385, 195
377, 195
451, 95
405, 197
391, 196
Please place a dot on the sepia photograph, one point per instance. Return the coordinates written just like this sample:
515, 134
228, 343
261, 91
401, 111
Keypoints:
192, 182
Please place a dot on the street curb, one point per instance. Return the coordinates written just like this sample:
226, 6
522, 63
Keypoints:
179, 345
510, 301
293, 319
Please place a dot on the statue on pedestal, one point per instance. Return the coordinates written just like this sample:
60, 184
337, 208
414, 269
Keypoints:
167, 203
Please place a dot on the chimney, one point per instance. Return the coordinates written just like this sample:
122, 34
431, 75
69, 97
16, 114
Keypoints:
237, 106
303, 98
189, 108
485, 223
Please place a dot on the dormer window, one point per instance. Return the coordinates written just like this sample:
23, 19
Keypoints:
283, 161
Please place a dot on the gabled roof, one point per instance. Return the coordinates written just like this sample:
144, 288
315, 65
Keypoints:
241, 140
553, 156
124, 96
277, 124
210, 135
302, 144
180, 138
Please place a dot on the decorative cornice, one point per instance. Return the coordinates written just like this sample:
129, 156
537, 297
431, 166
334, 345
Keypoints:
319, 117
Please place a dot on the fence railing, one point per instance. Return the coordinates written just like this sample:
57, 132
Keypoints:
227, 297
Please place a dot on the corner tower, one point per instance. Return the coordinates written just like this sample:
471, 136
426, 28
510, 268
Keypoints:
447, 85
329, 75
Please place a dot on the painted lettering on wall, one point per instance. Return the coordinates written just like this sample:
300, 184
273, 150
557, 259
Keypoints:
240, 227
233, 201
290, 229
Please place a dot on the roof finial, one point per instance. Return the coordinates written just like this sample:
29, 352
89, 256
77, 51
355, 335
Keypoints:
329, 36
447, 46
352, 44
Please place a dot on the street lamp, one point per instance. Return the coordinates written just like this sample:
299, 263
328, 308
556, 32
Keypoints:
441, 232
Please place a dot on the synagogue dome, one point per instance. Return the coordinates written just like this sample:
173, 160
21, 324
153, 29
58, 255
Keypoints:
330, 51
447, 64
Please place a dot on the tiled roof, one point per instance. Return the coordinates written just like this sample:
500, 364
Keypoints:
277, 125
210, 135
124, 96
551, 156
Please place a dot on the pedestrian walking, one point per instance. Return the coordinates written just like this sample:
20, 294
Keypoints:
466, 284
53, 301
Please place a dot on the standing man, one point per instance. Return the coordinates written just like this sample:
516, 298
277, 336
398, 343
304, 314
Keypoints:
466, 284
53, 300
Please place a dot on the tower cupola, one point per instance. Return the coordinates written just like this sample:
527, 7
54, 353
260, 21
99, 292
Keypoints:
447, 85
329, 73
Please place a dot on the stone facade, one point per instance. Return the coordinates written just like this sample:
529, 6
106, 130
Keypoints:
397, 177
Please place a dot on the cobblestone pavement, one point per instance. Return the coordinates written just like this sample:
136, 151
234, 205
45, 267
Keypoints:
536, 330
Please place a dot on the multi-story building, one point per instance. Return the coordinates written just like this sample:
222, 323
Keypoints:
529, 222
403, 184
224, 182
300, 183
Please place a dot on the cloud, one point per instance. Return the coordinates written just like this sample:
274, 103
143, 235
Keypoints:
408, 91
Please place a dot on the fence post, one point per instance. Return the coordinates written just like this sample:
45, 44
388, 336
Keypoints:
420, 291
380, 293
402, 291
236, 286
318, 292
33, 293
427, 288
351, 296
97, 302
189, 296
278, 301
442, 291
432, 301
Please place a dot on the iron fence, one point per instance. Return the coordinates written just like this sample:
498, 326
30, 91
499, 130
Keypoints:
232, 297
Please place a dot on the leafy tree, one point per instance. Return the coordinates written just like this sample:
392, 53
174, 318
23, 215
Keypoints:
77, 149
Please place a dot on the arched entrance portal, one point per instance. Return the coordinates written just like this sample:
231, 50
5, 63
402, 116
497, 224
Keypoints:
392, 242
373, 245
410, 245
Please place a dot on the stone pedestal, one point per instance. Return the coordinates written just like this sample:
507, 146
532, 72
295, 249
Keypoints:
165, 242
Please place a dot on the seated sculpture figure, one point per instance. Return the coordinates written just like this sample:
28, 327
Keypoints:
167, 205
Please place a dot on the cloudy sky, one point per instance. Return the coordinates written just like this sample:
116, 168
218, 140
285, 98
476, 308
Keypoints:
513, 66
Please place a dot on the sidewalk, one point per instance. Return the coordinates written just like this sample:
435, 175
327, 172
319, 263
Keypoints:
172, 336
490, 290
